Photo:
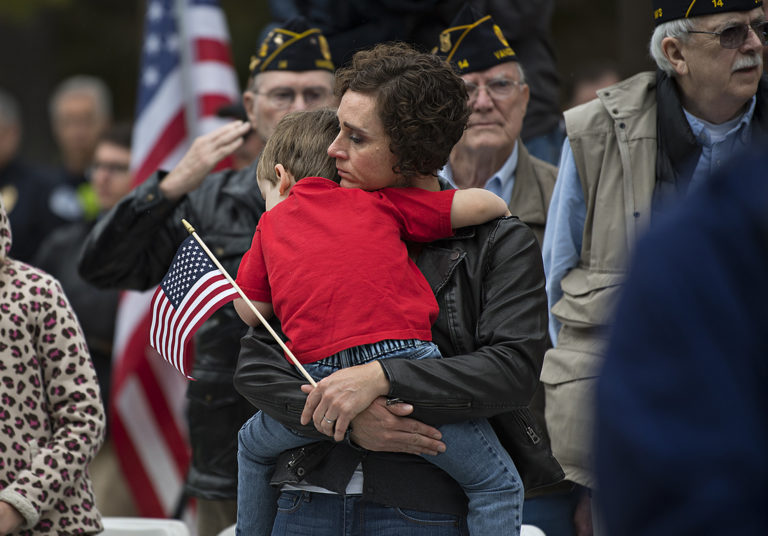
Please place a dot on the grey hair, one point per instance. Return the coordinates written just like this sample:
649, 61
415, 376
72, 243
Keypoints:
521, 72
9, 109
677, 29
83, 84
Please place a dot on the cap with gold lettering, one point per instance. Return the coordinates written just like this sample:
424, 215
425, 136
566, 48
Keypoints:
667, 10
473, 43
294, 47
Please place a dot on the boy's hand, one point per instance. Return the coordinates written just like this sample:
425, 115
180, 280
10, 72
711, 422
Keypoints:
205, 152
340, 397
386, 428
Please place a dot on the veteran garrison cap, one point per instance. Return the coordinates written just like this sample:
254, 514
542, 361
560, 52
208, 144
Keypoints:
293, 47
473, 43
667, 10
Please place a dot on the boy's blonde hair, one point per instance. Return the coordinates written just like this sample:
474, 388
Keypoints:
300, 143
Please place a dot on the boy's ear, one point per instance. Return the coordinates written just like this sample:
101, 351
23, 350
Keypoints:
284, 178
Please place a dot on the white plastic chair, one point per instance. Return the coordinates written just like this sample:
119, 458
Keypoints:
229, 531
143, 526
530, 530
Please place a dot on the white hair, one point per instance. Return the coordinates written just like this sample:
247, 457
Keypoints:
83, 84
677, 29
521, 72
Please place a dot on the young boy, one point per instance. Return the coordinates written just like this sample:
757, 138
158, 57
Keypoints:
333, 264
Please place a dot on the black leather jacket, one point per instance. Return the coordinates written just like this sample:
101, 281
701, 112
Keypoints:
492, 327
132, 247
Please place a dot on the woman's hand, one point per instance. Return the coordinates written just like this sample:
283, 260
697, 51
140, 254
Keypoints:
386, 428
10, 519
340, 397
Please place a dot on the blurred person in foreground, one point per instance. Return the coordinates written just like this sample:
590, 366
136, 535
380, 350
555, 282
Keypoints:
638, 148
133, 245
80, 110
50, 408
24, 188
96, 308
682, 405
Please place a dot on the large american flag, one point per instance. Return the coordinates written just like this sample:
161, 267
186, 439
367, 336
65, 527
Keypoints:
186, 74
189, 293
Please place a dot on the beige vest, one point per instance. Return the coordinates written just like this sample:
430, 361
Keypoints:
534, 182
614, 147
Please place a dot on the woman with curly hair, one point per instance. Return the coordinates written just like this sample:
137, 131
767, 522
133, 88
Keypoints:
401, 111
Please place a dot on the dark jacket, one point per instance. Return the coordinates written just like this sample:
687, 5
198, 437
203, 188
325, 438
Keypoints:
132, 247
685, 370
95, 308
26, 192
489, 284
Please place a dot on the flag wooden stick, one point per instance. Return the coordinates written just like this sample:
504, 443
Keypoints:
293, 359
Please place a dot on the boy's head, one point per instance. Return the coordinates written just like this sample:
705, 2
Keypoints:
300, 144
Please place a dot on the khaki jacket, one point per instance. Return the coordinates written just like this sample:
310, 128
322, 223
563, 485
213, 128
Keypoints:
614, 146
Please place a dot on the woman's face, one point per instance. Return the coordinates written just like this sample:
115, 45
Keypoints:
361, 149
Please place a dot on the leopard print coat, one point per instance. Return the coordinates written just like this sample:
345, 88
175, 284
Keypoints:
51, 415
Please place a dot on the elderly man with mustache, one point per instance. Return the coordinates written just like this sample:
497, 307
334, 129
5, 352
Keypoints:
636, 149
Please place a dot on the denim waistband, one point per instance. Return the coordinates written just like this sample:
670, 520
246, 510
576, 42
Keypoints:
359, 355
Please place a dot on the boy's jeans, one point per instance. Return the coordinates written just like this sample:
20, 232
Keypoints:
474, 456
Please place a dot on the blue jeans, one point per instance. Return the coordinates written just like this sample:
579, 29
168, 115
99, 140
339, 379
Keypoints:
474, 457
300, 513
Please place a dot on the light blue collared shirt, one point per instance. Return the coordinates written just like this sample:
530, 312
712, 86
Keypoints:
561, 248
501, 183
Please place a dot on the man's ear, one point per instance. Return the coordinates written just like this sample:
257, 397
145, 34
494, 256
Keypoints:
248, 102
285, 179
673, 51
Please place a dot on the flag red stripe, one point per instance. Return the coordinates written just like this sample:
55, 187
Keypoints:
212, 50
133, 356
209, 104
208, 309
143, 490
175, 441
173, 134
175, 326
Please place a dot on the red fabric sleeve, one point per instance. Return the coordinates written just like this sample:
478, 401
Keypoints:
252, 273
424, 216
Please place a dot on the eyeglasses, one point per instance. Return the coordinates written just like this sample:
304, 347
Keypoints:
735, 36
500, 88
109, 167
283, 97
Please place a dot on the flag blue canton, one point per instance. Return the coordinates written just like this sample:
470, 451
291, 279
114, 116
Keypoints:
188, 266
161, 52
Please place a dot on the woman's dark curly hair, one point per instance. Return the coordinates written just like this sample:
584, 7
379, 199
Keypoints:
421, 102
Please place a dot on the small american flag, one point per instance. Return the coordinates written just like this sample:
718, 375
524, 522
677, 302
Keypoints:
189, 293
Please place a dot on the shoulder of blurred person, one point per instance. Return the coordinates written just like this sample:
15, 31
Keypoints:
684, 373
51, 392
